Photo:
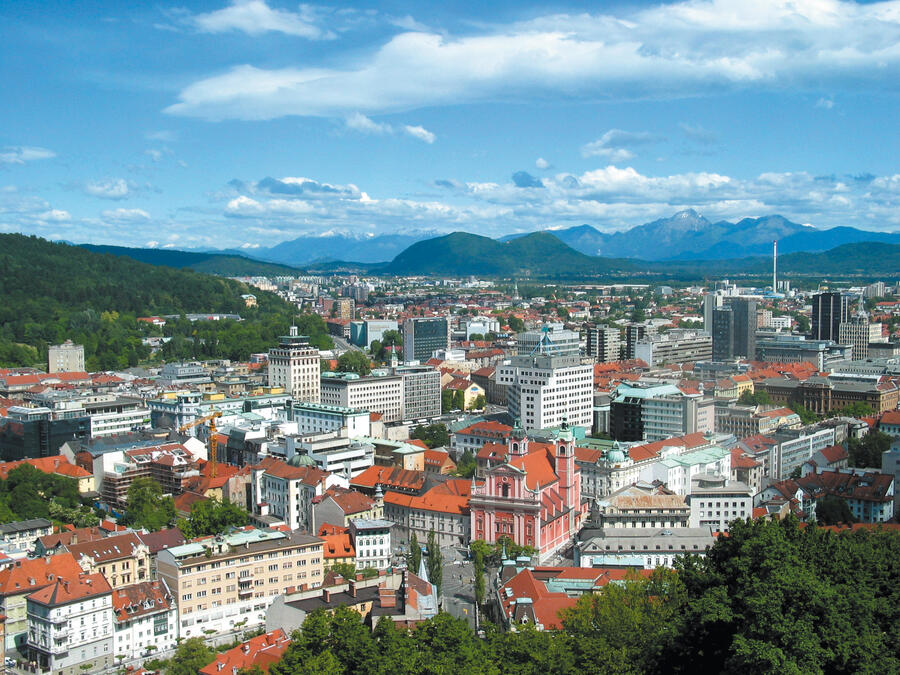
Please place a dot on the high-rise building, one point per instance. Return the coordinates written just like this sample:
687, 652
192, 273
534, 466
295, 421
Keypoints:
424, 336
711, 302
633, 333
548, 384
734, 330
65, 358
859, 332
604, 343
676, 346
294, 366
829, 311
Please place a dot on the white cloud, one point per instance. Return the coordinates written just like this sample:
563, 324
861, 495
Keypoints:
154, 154
21, 154
420, 132
359, 122
255, 17
55, 216
126, 215
615, 144
541, 163
671, 50
827, 103
115, 188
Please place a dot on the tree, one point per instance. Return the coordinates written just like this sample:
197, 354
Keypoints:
832, 510
190, 656
414, 557
435, 563
147, 507
806, 415
392, 338
516, 325
479, 402
446, 401
755, 398
354, 362
467, 465
433, 435
210, 516
803, 325
867, 451
459, 400
476, 337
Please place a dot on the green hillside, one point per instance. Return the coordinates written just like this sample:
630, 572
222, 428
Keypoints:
539, 254
228, 265
52, 292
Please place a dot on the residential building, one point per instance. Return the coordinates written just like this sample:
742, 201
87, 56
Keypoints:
890, 465
284, 491
173, 410
640, 505
123, 559
716, 501
58, 465
470, 390
231, 579
393, 478
294, 366
443, 509
640, 548
423, 336
829, 311
747, 470
677, 471
438, 462
676, 346
372, 542
494, 391
869, 495
633, 333
70, 625
20, 578
146, 619
534, 497
604, 343
21, 536
339, 505
315, 418
65, 358
548, 385
474, 436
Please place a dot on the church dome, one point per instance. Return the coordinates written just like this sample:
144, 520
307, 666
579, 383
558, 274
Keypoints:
301, 460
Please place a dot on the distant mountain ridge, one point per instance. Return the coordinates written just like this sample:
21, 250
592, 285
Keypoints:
225, 264
322, 248
688, 235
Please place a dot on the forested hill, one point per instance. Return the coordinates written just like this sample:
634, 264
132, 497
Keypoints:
51, 292
228, 265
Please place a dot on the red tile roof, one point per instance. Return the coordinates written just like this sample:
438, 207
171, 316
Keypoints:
390, 477
29, 575
834, 453
538, 467
308, 475
262, 651
649, 450
741, 461
108, 549
487, 428
147, 597
64, 590
451, 497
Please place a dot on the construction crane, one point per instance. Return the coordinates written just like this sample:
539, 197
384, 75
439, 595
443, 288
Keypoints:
213, 441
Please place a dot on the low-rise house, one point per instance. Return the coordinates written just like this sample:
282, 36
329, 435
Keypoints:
869, 495
372, 542
21, 536
122, 559
260, 652
338, 506
146, 619
338, 548
438, 463
745, 469
642, 548
70, 625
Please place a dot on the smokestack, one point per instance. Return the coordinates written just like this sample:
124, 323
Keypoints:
775, 266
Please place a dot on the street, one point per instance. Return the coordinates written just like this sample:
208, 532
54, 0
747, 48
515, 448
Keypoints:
458, 590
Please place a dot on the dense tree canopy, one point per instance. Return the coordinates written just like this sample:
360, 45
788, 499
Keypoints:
147, 507
433, 435
211, 516
30, 493
867, 451
354, 362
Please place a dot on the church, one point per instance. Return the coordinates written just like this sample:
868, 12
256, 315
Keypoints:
531, 493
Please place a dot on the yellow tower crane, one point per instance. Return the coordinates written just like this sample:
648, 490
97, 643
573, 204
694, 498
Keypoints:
213, 441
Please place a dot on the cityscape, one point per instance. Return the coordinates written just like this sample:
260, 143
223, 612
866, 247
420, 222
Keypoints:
576, 350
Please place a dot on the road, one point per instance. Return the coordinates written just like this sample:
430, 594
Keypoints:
341, 344
458, 591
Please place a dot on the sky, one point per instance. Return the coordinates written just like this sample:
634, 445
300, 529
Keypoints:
243, 123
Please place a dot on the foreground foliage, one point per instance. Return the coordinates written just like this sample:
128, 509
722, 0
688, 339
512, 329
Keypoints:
770, 598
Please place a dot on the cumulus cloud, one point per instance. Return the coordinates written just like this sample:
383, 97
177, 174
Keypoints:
541, 163
670, 50
255, 17
126, 215
55, 216
115, 188
21, 154
615, 144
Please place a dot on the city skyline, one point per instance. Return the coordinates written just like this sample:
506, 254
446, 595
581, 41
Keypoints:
247, 123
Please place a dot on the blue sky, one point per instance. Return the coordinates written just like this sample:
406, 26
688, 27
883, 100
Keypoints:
245, 123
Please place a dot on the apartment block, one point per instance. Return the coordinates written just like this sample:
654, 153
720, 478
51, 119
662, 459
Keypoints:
230, 580
294, 366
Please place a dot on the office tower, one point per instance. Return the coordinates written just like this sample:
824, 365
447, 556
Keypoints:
829, 311
423, 337
734, 330
294, 366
